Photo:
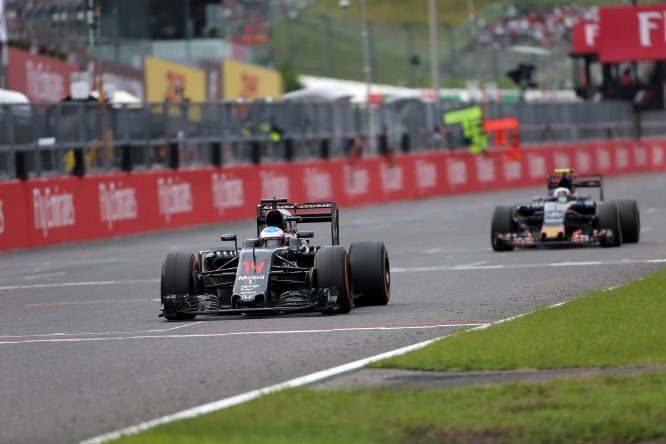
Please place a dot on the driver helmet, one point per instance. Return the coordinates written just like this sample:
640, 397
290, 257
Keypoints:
272, 237
562, 194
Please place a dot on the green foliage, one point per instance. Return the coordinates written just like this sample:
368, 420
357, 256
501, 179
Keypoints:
290, 80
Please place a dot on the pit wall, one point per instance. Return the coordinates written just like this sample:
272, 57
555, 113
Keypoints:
49, 211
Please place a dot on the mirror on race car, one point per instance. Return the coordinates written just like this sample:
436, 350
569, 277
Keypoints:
305, 234
228, 237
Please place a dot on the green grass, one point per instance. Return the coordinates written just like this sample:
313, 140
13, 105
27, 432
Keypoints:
605, 328
615, 327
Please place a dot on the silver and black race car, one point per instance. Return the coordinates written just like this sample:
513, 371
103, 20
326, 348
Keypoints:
566, 218
266, 277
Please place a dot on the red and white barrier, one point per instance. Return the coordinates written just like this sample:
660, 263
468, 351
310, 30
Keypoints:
49, 211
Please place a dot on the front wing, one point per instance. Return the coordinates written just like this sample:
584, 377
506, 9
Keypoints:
527, 239
316, 299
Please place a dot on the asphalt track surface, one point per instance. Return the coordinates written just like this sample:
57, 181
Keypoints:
83, 351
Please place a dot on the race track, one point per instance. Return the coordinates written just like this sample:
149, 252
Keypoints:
83, 351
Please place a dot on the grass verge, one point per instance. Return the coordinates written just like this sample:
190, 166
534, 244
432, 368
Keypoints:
615, 327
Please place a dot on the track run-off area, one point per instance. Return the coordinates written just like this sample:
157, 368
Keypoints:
84, 353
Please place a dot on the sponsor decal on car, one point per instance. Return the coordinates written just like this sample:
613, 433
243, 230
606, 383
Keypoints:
252, 266
52, 210
117, 203
251, 278
228, 192
174, 198
317, 184
248, 287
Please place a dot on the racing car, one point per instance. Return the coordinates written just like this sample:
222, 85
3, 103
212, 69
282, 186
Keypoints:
565, 217
279, 271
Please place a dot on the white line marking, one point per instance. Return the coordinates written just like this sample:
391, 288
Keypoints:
240, 333
80, 284
254, 394
472, 265
509, 266
575, 264
42, 276
103, 332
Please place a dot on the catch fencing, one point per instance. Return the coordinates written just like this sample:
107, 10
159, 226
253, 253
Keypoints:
67, 138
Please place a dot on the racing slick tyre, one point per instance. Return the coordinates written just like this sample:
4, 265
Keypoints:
332, 269
371, 274
630, 221
608, 214
502, 223
177, 279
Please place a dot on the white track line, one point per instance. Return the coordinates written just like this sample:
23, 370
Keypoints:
21, 339
81, 284
297, 382
248, 396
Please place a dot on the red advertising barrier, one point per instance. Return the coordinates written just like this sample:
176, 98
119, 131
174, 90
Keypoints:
630, 33
43, 79
56, 210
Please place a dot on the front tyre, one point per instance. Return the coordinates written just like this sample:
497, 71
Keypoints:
332, 269
371, 274
502, 223
608, 215
630, 221
177, 278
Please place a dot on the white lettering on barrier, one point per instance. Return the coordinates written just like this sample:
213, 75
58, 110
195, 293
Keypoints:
621, 158
456, 172
657, 155
2, 219
485, 169
317, 184
640, 156
273, 184
562, 160
537, 165
42, 85
583, 161
512, 170
591, 34
228, 192
117, 203
603, 159
392, 178
426, 174
52, 210
357, 180
174, 198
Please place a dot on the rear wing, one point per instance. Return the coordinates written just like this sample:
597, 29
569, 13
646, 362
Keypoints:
305, 213
569, 179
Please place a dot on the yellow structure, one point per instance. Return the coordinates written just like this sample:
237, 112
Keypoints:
243, 81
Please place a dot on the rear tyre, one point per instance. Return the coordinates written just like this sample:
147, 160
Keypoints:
630, 221
608, 215
371, 273
332, 269
177, 279
502, 223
